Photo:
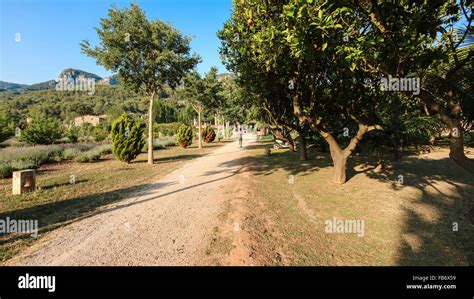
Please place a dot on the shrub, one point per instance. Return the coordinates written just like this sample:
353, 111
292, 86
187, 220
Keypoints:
127, 138
73, 134
42, 130
39, 154
6, 128
104, 149
208, 134
83, 146
71, 153
170, 129
13, 159
23, 164
6, 170
14, 142
185, 136
93, 154
89, 156
163, 142
170, 143
100, 133
157, 146
85, 130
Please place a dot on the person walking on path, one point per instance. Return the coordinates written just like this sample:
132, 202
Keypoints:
240, 135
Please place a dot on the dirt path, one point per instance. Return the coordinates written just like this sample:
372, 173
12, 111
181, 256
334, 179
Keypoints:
171, 222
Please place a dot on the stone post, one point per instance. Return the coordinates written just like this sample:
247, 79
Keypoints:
24, 181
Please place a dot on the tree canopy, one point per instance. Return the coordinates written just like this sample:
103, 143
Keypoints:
145, 54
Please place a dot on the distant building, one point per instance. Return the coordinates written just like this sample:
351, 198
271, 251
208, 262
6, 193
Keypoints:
89, 119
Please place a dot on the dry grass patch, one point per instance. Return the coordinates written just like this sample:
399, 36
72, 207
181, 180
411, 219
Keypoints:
409, 211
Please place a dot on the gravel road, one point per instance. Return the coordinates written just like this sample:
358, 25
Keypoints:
168, 223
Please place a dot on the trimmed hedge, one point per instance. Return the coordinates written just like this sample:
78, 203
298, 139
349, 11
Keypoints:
208, 134
127, 138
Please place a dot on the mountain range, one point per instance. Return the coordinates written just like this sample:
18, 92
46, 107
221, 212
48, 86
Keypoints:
16, 88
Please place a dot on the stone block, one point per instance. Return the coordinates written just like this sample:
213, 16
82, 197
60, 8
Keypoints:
24, 181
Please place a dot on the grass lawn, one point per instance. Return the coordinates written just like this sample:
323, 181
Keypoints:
58, 202
410, 211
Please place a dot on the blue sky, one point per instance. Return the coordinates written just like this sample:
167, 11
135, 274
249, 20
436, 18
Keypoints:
40, 38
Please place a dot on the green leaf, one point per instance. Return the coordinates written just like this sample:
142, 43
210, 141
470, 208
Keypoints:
353, 66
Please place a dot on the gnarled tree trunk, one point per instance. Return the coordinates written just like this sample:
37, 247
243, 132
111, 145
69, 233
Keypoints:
339, 156
456, 147
279, 134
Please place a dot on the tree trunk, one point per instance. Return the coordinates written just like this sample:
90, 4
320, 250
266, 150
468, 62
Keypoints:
278, 133
150, 130
199, 126
303, 153
339, 156
291, 145
340, 161
456, 147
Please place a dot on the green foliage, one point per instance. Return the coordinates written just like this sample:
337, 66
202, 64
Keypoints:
6, 170
20, 158
469, 138
66, 105
100, 133
203, 93
93, 154
319, 63
71, 153
186, 115
165, 112
164, 142
169, 129
185, 136
73, 134
104, 149
235, 107
89, 156
127, 138
419, 130
85, 130
208, 134
42, 130
146, 55
6, 126
129, 41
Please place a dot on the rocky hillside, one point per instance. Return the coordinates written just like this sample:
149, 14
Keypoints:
16, 88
